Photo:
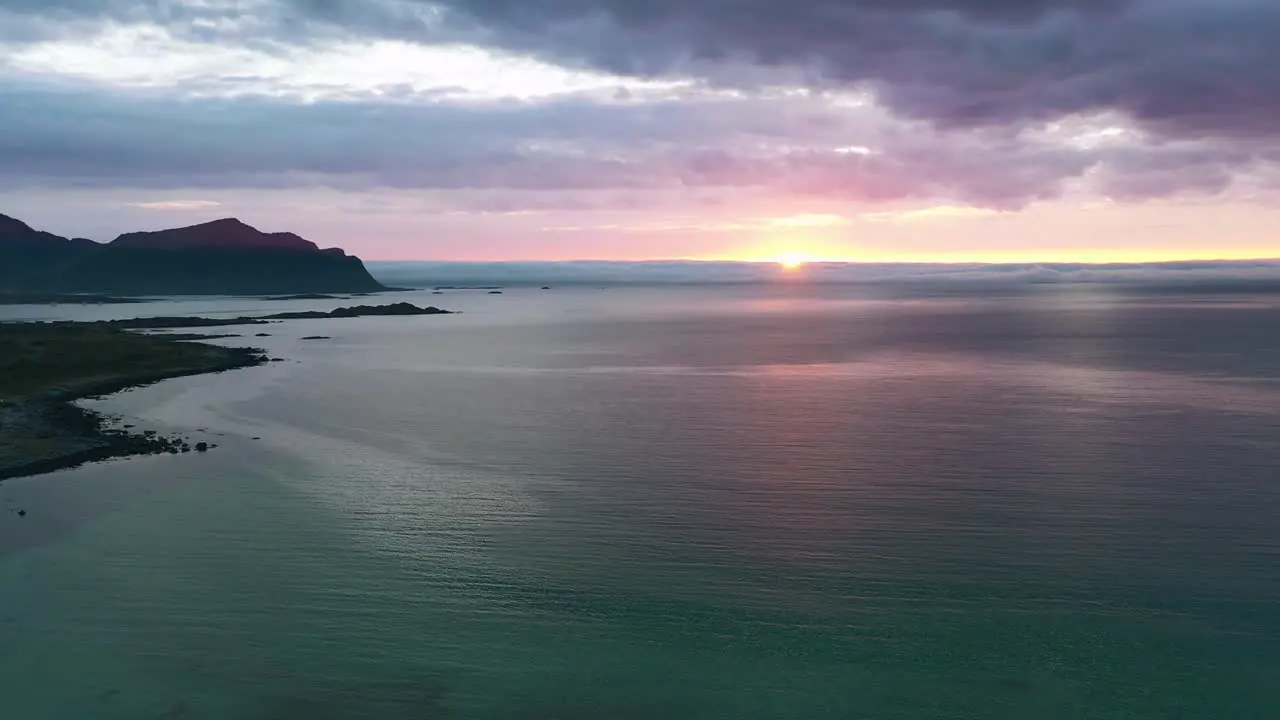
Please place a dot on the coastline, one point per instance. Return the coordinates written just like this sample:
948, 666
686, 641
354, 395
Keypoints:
33, 298
47, 368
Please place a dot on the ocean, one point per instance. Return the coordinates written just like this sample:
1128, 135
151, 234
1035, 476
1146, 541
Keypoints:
757, 501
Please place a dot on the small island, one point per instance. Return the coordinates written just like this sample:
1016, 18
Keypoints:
20, 298
402, 309
46, 366
305, 296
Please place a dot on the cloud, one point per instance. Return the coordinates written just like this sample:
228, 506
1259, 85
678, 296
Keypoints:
124, 56
990, 104
76, 136
177, 205
1181, 67
940, 212
810, 220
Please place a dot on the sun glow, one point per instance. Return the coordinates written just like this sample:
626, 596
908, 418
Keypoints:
791, 261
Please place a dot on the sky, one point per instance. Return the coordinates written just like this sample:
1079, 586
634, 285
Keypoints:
768, 130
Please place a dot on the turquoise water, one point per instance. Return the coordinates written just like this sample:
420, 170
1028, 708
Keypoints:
686, 503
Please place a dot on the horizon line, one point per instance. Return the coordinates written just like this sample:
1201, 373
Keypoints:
716, 261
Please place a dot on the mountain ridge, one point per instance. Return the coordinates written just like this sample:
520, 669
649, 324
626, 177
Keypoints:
222, 257
16, 233
225, 232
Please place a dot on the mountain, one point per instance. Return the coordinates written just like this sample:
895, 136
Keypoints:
26, 254
16, 234
225, 233
223, 257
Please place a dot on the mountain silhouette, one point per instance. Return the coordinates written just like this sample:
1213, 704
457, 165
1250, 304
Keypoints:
223, 257
225, 233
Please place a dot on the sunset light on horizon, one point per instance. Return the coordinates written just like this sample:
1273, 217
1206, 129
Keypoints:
455, 130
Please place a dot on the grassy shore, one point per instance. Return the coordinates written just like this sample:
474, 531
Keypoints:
44, 367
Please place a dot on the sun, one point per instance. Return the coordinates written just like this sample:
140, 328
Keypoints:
791, 261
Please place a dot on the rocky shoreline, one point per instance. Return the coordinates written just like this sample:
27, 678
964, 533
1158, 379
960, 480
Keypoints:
83, 436
45, 431
46, 366
402, 309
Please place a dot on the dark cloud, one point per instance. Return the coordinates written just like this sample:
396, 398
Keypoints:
966, 85
94, 138
1184, 68
41, 19
258, 23
1195, 169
